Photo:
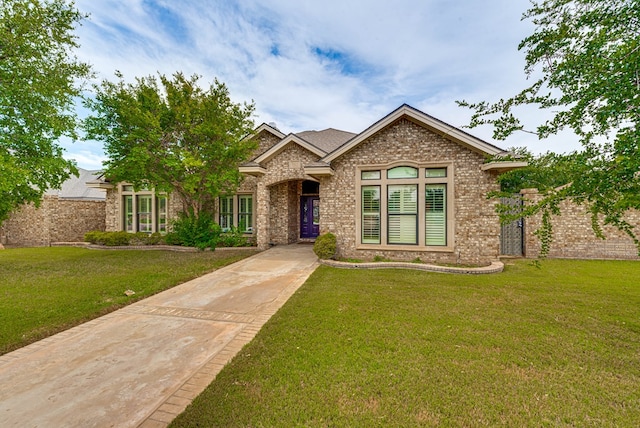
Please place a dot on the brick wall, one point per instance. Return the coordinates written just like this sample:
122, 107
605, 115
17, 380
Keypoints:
573, 236
56, 220
477, 229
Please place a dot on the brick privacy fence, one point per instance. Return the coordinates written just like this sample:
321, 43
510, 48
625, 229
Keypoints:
573, 236
56, 220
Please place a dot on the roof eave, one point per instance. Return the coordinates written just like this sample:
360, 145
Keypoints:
503, 166
319, 171
99, 185
253, 170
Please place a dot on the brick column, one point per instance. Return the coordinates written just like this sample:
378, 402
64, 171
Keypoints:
262, 215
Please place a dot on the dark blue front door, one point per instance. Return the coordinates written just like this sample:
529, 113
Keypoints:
309, 217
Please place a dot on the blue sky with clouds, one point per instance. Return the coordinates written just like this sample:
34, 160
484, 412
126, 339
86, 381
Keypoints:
317, 64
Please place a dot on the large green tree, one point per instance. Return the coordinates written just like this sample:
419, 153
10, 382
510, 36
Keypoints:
39, 79
171, 135
583, 60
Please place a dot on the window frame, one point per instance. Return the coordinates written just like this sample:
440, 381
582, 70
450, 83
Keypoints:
130, 205
237, 216
421, 181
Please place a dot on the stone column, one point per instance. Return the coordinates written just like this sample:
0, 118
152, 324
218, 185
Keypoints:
262, 215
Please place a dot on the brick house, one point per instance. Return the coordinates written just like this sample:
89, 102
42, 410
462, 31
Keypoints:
64, 215
409, 186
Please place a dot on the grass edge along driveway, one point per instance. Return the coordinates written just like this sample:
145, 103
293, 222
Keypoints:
49, 289
556, 346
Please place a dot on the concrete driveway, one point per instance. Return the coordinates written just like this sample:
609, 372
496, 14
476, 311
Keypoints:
143, 364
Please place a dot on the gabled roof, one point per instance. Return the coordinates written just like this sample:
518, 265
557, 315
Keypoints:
289, 139
328, 139
77, 187
415, 115
267, 128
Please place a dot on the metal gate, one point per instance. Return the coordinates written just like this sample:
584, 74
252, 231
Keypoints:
512, 234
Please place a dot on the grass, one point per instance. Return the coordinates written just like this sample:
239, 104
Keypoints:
557, 346
47, 290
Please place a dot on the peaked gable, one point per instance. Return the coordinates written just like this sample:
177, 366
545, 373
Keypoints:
422, 119
289, 139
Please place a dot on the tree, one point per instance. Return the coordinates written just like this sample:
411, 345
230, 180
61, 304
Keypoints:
39, 79
546, 172
171, 135
584, 60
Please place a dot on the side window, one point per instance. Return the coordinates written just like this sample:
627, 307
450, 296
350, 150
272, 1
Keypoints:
245, 213
226, 213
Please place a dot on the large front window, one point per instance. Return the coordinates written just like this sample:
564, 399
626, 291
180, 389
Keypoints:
404, 206
143, 211
242, 205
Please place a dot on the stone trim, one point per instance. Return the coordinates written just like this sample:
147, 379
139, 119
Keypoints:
494, 267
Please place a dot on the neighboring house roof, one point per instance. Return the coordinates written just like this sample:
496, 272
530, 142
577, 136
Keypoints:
76, 187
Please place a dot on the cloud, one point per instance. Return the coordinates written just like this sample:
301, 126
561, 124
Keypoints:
313, 65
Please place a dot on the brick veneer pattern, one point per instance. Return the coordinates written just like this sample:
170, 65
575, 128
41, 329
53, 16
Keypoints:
56, 220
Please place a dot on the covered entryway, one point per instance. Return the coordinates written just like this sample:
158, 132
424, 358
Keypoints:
310, 210
293, 211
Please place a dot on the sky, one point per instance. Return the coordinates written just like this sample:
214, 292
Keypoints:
312, 65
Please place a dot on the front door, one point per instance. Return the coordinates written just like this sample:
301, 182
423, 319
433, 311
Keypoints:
309, 217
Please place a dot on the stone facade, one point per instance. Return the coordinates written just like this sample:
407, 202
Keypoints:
476, 225
284, 165
278, 203
56, 220
573, 235
473, 232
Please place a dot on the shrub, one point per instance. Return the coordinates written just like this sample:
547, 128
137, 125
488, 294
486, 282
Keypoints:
325, 246
199, 231
233, 238
92, 236
108, 238
123, 238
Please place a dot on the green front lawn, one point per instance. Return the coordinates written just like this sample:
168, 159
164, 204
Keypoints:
557, 346
46, 290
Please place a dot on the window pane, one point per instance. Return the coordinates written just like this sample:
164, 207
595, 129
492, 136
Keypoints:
371, 214
245, 213
436, 214
144, 213
402, 206
435, 172
226, 213
161, 204
128, 213
370, 175
402, 172
127, 188
403, 199
402, 229
316, 211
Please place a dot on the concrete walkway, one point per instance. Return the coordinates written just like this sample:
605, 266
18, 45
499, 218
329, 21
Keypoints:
142, 365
